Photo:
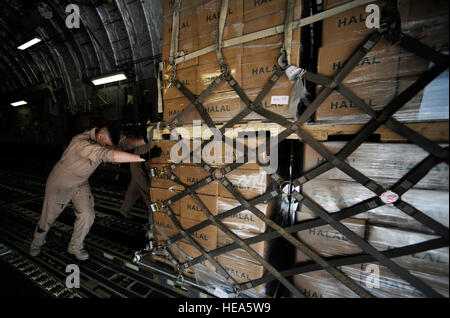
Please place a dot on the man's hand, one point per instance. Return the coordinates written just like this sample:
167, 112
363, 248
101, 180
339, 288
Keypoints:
155, 152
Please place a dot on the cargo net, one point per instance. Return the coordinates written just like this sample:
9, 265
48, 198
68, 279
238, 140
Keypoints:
334, 266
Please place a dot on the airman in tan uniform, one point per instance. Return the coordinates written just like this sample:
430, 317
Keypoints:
68, 181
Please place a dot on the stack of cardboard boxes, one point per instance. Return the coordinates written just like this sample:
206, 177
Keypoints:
387, 70
430, 266
384, 227
251, 64
384, 73
249, 180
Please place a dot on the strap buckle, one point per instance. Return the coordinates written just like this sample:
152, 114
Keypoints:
157, 206
154, 172
168, 74
282, 60
224, 69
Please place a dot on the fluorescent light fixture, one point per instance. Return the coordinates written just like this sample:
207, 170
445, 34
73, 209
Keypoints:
29, 43
19, 103
109, 78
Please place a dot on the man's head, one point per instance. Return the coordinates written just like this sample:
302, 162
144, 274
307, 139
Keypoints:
108, 136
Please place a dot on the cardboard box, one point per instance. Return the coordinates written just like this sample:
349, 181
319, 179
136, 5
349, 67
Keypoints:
262, 248
166, 147
192, 174
427, 21
159, 194
190, 6
327, 241
250, 183
209, 14
188, 26
187, 76
221, 107
244, 220
218, 153
172, 107
228, 53
346, 26
205, 237
274, 42
277, 100
380, 63
192, 210
254, 9
334, 195
163, 226
207, 73
432, 262
392, 286
171, 149
239, 269
257, 69
337, 108
320, 284
382, 162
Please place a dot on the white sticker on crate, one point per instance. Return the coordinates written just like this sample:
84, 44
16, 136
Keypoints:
279, 100
220, 293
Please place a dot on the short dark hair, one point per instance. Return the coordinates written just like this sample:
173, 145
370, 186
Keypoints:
114, 133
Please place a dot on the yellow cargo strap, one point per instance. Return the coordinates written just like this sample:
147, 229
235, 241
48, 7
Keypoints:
222, 20
274, 30
288, 20
175, 31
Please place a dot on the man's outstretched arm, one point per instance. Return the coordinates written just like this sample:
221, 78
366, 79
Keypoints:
122, 156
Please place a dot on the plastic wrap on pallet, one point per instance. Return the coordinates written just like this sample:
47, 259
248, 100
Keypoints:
207, 275
423, 20
244, 220
426, 21
262, 248
320, 284
336, 195
326, 241
204, 273
430, 266
250, 183
391, 286
387, 70
429, 104
432, 262
384, 163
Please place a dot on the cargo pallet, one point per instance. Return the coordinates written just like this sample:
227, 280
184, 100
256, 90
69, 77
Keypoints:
382, 123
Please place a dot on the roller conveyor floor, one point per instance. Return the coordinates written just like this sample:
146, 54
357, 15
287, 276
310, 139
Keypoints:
112, 242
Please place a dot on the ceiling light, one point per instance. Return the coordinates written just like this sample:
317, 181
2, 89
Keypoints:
29, 43
109, 78
19, 103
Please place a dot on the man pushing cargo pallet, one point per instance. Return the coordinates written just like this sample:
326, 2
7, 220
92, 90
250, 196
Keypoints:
68, 181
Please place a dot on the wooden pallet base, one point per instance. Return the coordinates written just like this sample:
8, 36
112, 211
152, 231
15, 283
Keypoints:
436, 131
